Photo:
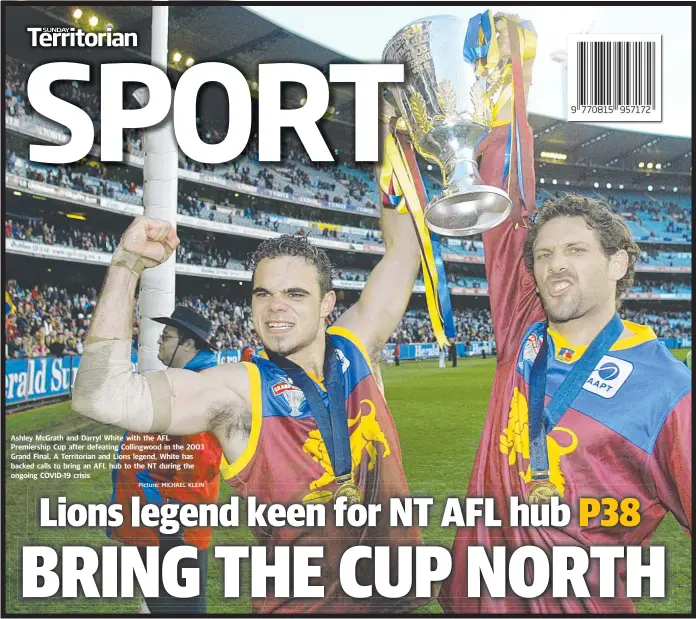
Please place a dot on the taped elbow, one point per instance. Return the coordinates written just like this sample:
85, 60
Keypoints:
81, 402
107, 391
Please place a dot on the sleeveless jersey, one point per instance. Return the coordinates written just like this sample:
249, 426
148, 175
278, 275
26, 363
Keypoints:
286, 461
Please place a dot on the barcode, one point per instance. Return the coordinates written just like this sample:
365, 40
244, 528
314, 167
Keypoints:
616, 73
614, 77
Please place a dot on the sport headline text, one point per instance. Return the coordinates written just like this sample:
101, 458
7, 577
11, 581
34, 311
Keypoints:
272, 116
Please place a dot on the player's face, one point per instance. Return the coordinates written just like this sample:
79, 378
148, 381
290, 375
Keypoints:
287, 307
573, 275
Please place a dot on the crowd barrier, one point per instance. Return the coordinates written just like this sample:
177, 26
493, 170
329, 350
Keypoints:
432, 351
42, 378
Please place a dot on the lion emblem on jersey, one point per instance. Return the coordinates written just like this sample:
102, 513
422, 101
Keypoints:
365, 437
514, 442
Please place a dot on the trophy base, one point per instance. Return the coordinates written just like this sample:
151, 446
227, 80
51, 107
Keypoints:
465, 213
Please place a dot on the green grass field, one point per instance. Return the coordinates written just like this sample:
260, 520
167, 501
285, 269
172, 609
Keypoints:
439, 414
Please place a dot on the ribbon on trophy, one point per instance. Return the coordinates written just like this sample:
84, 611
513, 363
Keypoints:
481, 50
505, 86
543, 419
442, 288
332, 422
404, 190
481, 44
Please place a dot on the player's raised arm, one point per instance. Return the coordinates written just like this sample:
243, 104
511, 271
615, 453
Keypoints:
173, 401
385, 297
512, 291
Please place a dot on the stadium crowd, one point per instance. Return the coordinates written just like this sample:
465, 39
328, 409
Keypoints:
470, 324
39, 231
656, 210
214, 251
297, 173
16, 75
50, 320
47, 320
664, 324
93, 178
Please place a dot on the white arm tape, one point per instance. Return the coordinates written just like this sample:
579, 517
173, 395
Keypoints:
107, 390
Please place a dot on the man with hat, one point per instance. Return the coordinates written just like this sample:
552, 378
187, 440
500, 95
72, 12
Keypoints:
184, 344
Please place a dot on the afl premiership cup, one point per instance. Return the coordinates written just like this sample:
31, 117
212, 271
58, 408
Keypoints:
442, 104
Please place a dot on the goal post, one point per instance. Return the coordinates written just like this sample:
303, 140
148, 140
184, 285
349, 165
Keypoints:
157, 286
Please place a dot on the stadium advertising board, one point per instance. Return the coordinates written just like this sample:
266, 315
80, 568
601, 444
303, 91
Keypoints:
51, 377
36, 379
229, 389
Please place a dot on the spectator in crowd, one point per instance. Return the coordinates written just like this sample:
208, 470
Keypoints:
183, 344
57, 345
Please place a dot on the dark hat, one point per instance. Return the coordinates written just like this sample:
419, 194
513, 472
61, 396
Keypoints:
191, 322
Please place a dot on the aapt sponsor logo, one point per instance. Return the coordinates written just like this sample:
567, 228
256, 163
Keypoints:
608, 376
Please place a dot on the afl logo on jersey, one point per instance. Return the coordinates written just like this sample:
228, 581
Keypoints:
292, 394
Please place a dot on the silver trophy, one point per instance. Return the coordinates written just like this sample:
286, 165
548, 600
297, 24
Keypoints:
442, 103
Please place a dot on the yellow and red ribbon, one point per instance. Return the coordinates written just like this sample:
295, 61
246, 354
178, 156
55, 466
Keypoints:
403, 189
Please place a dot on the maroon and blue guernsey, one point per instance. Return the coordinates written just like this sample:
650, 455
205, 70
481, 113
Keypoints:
627, 434
287, 462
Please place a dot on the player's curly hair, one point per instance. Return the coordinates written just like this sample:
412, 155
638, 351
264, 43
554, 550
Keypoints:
296, 245
611, 230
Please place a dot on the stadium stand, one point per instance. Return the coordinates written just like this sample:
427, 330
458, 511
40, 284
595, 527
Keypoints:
211, 251
99, 180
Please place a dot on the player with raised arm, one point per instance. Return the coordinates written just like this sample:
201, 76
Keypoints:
307, 424
555, 283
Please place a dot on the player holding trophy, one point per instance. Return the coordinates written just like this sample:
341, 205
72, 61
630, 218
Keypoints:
573, 410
